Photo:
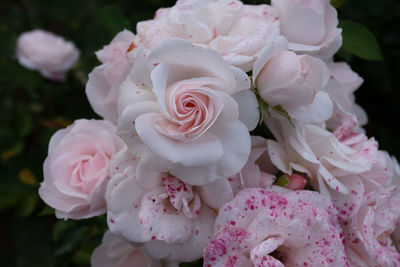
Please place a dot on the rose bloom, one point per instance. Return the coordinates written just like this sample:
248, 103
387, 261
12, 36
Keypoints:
104, 81
342, 73
342, 85
395, 167
329, 159
368, 241
158, 211
368, 232
117, 252
76, 169
284, 228
310, 26
47, 53
191, 109
236, 31
294, 82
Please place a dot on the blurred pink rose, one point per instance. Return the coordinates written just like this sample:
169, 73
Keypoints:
310, 26
76, 169
293, 82
115, 251
191, 109
47, 53
267, 228
104, 80
238, 32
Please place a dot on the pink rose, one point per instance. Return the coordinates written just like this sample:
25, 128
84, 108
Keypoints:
342, 85
238, 32
76, 169
47, 53
104, 80
360, 185
374, 217
328, 158
396, 181
117, 252
293, 82
158, 211
368, 241
347, 78
310, 26
191, 109
395, 167
266, 228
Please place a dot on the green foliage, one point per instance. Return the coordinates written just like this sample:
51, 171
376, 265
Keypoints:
359, 41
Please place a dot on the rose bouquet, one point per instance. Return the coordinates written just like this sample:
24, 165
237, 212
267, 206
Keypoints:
229, 134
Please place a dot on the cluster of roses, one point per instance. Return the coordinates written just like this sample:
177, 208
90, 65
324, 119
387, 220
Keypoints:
174, 165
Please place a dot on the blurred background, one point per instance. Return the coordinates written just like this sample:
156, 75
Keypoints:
33, 108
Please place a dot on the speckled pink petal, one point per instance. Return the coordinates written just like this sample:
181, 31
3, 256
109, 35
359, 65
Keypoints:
299, 227
224, 249
161, 219
259, 254
190, 250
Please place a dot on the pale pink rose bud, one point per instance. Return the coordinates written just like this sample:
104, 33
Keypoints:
47, 53
310, 26
294, 82
76, 169
296, 182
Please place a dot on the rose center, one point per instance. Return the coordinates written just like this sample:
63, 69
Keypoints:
88, 169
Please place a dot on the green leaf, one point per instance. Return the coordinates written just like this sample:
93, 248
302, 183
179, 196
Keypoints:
359, 41
338, 3
112, 20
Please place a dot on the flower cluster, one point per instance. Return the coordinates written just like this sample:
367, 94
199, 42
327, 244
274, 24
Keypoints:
176, 170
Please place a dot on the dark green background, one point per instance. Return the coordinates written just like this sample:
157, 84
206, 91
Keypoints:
33, 108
